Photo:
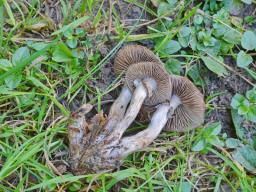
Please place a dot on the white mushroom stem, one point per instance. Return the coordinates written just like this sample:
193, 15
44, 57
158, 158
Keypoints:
143, 88
145, 137
174, 103
116, 113
142, 139
118, 108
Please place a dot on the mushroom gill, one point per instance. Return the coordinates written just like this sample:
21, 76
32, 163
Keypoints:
190, 113
131, 54
190, 106
154, 71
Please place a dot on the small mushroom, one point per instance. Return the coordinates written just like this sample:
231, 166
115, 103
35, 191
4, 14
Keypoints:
152, 75
189, 113
131, 54
190, 109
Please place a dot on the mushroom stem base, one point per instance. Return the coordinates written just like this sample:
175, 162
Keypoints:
98, 148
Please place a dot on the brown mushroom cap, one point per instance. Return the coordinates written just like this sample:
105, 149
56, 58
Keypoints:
131, 54
189, 114
144, 70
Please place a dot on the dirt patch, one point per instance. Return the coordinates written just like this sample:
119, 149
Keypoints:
228, 87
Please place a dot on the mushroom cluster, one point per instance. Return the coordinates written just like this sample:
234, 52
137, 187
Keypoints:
166, 101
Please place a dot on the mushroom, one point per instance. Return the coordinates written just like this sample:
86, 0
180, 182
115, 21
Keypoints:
103, 147
131, 54
154, 74
190, 110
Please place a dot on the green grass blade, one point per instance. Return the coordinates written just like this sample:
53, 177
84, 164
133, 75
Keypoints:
9, 12
72, 25
1, 24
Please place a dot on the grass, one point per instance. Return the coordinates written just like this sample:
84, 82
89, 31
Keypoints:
34, 112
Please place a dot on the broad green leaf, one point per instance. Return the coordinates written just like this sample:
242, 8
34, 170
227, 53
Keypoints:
13, 80
219, 29
247, 1
193, 41
38, 46
62, 53
184, 36
214, 140
245, 103
211, 50
237, 22
5, 64
232, 36
184, 31
237, 120
194, 74
164, 9
172, 2
249, 40
215, 66
20, 55
72, 43
4, 89
251, 95
76, 186
225, 47
243, 109
250, 19
198, 19
213, 128
237, 100
233, 143
173, 66
184, 41
172, 47
68, 34
205, 37
80, 32
251, 115
199, 146
78, 53
185, 187
246, 156
243, 59
235, 7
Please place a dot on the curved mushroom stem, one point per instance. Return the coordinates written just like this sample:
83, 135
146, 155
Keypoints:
174, 103
116, 113
143, 88
119, 106
138, 97
142, 139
